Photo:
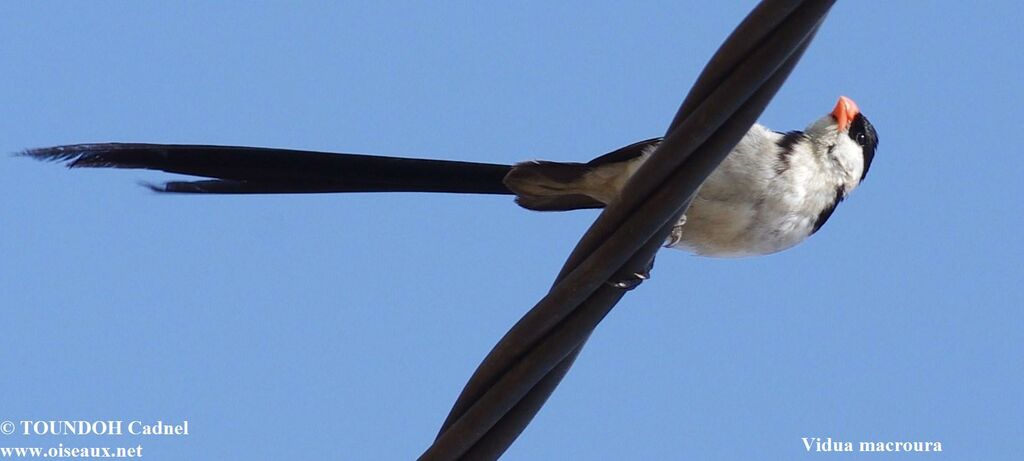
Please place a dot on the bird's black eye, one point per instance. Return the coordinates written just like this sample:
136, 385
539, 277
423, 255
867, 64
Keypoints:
859, 130
863, 133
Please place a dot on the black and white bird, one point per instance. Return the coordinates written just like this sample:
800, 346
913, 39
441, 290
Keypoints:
770, 193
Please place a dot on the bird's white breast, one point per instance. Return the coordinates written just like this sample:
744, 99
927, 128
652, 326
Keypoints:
750, 205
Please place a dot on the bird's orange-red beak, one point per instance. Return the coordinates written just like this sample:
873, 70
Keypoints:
844, 112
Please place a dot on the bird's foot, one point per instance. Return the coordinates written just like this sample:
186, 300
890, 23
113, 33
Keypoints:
630, 282
676, 235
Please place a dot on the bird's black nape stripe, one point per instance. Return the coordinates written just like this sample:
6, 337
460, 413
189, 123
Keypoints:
827, 212
863, 132
786, 144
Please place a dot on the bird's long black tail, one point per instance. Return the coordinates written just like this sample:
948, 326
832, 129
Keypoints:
254, 170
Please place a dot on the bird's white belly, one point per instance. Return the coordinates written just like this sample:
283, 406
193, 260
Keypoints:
736, 229
743, 211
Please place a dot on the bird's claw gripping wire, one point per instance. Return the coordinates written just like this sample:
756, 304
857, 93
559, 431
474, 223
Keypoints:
630, 283
632, 280
677, 233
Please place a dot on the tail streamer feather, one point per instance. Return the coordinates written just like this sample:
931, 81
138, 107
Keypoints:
255, 170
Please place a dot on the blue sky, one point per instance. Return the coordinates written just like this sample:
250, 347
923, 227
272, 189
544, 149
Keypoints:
344, 326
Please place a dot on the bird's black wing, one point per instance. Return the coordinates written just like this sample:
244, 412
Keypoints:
623, 154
